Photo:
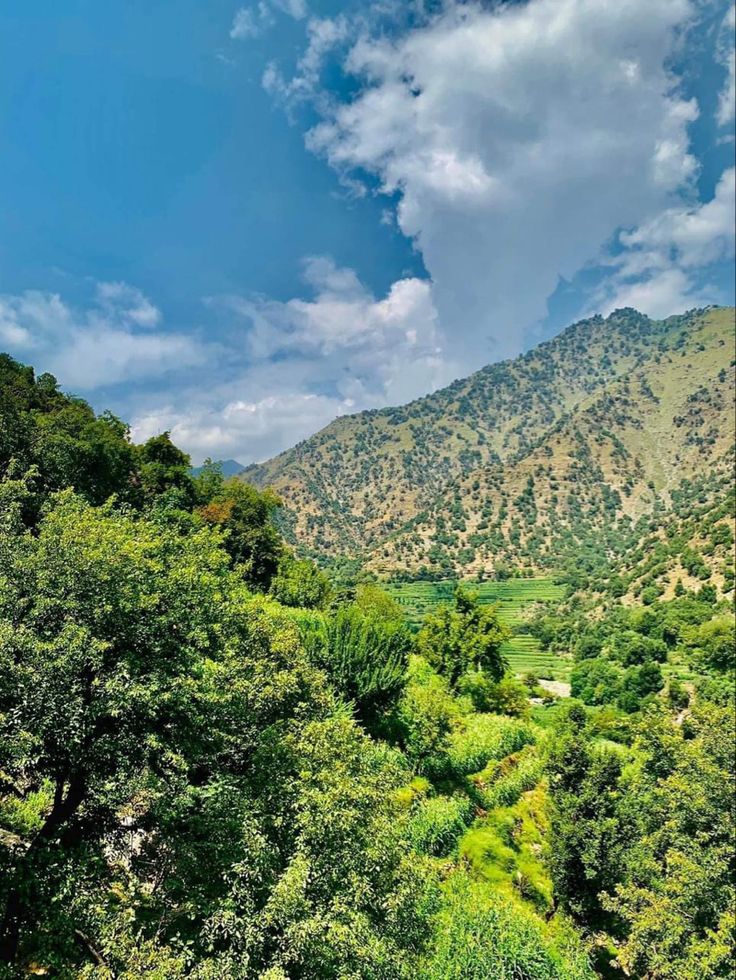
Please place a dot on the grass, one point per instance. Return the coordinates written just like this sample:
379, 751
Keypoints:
525, 656
512, 597
505, 849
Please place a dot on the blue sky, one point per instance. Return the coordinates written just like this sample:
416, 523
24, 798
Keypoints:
239, 220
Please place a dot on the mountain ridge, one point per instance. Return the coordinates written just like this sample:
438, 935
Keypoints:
366, 479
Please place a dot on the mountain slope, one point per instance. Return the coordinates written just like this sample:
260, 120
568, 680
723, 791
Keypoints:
601, 422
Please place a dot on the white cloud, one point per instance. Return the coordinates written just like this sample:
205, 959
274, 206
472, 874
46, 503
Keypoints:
726, 55
251, 22
343, 317
324, 34
663, 293
129, 303
518, 138
98, 345
657, 271
294, 8
306, 361
241, 429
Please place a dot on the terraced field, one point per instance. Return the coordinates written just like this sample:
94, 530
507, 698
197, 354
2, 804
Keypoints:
513, 599
525, 656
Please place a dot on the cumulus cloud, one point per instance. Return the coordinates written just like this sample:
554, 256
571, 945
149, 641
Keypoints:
241, 429
657, 270
306, 361
518, 138
112, 340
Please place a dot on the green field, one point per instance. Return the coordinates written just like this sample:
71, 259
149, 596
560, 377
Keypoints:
512, 597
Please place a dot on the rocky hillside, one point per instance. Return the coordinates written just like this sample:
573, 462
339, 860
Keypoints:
524, 459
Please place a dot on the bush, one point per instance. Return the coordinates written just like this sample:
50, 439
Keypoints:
426, 712
504, 784
505, 697
484, 937
438, 823
481, 738
596, 681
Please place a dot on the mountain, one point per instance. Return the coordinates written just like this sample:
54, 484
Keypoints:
229, 467
524, 460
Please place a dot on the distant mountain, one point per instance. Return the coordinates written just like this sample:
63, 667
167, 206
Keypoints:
230, 467
526, 460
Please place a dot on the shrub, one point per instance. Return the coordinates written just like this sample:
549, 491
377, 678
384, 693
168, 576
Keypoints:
481, 738
438, 823
484, 937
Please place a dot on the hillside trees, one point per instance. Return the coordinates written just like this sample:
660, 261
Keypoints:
251, 538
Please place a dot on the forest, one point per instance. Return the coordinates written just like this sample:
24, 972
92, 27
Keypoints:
221, 761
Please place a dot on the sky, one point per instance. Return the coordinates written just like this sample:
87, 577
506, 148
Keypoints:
236, 221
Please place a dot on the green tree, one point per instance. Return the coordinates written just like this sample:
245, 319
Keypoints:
463, 636
365, 657
101, 619
247, 514
589, 829
164, 472
677, 896
300, 583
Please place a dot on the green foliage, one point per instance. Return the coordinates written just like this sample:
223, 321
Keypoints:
483, 937
164, 472
438, 823
503, 782
677, 895
642, 840
252, 540
588, 832
62, 438
426, 712
507, 696
714, 643
462, 637
365, 656
300, 584
159, 725
596, 681
479, 739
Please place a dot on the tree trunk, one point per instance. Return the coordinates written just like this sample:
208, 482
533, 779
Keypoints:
20, 896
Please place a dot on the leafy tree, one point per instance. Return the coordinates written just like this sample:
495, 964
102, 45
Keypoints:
426, 712
589, 829
252, 539
164, 472
365, 657
300, 584
101, 619
639, 684
464, 636
178, 785
677, 895
714, 643
596, 681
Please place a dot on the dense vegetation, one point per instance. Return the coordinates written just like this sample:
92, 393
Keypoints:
218, 762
